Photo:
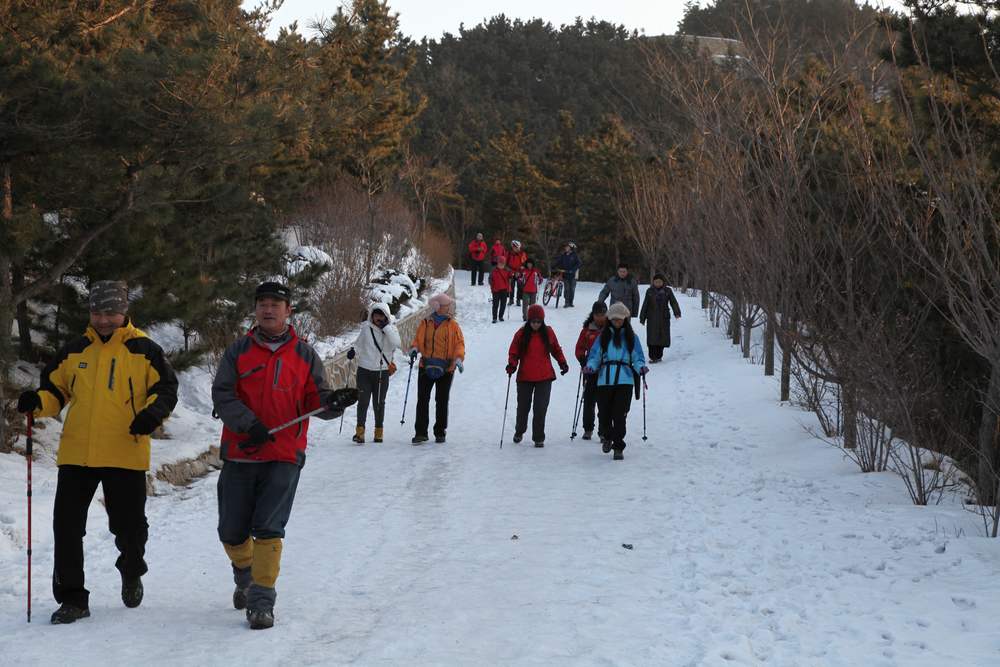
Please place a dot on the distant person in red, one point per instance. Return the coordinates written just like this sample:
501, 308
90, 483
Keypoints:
530, 279
497, 251
592, 328
529, 356
477, 256
501, 280
515, 260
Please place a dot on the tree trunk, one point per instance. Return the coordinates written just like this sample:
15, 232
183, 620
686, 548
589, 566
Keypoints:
850, 426
735, 332
769, 345
747, 333
21, 315
986, 482
704, 298
785, 340
370, 255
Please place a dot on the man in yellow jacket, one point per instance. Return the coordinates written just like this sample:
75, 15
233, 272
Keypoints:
119, 389
440, 344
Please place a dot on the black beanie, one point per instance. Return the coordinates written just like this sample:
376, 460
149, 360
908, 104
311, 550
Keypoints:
599, 308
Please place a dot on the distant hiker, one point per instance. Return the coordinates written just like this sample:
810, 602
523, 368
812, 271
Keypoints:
477, 257
374, 349
618, 362
497, 251
656, 307
515, 261
119, 388
265, 379
622, 288
441, 347
569, 263
530, 280
592, 328
529, 356
501, 284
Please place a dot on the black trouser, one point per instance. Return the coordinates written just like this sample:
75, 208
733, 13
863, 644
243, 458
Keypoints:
656, 352
527, 299
515, 292
125, 502
613, 403
255, 499
372, 384
499, 304
478, 269
534, 397
424, 387
570, 291
589, 401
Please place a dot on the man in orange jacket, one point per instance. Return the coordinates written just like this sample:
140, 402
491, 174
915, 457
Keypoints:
441, 347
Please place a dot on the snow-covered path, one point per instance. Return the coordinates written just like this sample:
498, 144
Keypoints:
751, 543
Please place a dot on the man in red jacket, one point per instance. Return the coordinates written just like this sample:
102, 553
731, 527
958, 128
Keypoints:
515, 260
501, 280
267, 378
477, 255
529, 355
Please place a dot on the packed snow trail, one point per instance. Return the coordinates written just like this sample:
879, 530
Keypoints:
751, 542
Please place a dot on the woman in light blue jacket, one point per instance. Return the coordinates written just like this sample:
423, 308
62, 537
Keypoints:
618, 361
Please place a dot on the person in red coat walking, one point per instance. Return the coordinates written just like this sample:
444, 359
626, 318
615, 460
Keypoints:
515, 260
530, 279
592, 328
477, 255
497, 251
501, 279
529, 356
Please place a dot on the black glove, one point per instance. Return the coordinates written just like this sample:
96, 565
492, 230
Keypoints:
341, 399
511, 369
28, 401
351, 353
258, 435
143, 424
413, 355
563, 369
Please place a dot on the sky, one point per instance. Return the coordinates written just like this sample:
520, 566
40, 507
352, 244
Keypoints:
431, 18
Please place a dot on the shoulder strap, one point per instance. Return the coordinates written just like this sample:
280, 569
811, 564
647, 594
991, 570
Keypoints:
378, 347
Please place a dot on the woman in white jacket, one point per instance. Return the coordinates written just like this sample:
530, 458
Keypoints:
374, 349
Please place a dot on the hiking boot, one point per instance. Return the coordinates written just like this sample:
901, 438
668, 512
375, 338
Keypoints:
418, 440
68, 613
605, 445
439, 439
539, 444
260, 619
518, 437
587, 435
359, 435
378, 434
501, 319
494, 320
618, 454
131, 592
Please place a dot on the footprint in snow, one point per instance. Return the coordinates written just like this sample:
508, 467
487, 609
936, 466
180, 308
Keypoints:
964, 603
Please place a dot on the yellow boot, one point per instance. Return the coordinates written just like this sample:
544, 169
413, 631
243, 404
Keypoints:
378, 434
359, 435
241, 556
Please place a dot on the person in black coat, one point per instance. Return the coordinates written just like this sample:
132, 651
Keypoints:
655, 316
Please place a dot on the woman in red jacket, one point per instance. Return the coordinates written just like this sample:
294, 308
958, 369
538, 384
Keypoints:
530, 279
592, 328
529, 354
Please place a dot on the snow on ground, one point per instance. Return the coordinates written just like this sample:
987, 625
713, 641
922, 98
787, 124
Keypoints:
752, 543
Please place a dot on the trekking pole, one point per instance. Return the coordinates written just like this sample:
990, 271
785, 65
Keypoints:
645, 388
406, 396
576, 405
28, 451
506, 402
301, 418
